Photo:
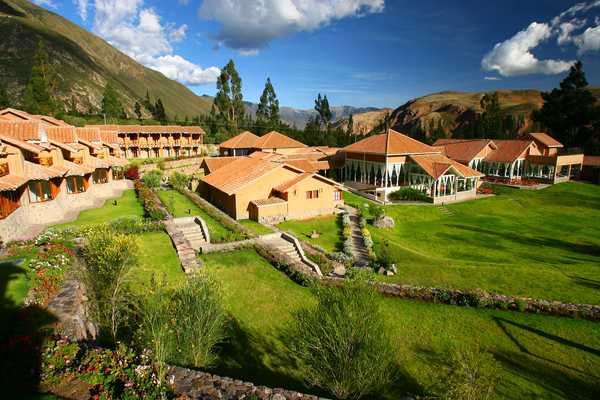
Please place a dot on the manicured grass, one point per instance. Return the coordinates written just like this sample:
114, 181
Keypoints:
14, 282
541, 356
127, 206
178, 205
158, 259
258, 229
543, 244
329, 227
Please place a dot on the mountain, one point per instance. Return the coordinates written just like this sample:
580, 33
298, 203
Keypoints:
364, 123
300, 117
84, 63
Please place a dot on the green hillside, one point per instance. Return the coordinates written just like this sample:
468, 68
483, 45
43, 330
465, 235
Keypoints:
84, 63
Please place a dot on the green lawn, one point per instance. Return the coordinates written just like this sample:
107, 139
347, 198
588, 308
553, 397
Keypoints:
178, 205
258, 229
127, 206
541, 356
329, 227
14, 283
543, 244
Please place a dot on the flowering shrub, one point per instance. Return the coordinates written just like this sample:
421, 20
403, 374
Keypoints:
113, 374
150, 201
347, 234
341, 257
54, 236
47, 270
132, 173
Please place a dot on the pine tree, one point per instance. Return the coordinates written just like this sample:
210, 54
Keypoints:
570, 112
322, 108
228, 107
39, 92
267, 114
159, 111
149, 105
4, 100
490, 124
137, 109
111, 105
350, 127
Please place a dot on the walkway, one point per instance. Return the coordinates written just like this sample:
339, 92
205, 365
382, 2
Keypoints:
178, 230
359, 250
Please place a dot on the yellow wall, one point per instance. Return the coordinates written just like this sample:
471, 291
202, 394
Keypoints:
299, 206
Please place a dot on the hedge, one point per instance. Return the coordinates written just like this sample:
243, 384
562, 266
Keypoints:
152, 204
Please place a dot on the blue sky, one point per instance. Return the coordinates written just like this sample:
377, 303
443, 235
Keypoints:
359, 52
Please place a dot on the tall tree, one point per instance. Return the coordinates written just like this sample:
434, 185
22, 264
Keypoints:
111, 105
322, 108
267, 114
4, 100
159, 111
39, 93
148, 104
350, 127
138, 110
570, 112
228, 107
490, 124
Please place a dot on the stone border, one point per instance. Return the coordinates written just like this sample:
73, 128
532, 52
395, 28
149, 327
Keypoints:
294, 241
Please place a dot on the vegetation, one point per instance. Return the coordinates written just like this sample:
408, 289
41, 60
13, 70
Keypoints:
109, 258
153, 178
571, 113
549, 234
328, 227
149, 199
536, 356
4, 99
40, 90
179, 181
111, 105
343, 341
255, 227
267, 114
409, 194
228, 110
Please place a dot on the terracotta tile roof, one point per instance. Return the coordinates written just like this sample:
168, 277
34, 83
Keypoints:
268, 202
47, 120
193, 130
64, 134
12, 182
436, 165
68, 147
239, 173
76, 169
33, 148
309, 165
4, 118
244, 140
276, 140
89, 144
463, 150
95, 163
214, 163
262, 155
508, 151
88, 134
591, 161
39, 172
291, 183
109, 137
106, 127
21, 130
15, 115
393, 143
116, 161
546, 139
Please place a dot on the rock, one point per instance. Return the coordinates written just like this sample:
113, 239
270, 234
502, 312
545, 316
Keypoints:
315, 235
394, 269
339, 270
385, 222
381, 271
389, 273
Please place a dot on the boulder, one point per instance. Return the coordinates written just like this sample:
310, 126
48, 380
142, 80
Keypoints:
385, 222
389, 273
339, 270
315, 235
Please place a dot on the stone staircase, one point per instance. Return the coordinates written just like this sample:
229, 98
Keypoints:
289, 247
359, 250
191, 230
187, 235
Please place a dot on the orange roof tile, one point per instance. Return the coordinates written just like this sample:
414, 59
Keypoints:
88, 134
244, 140
591, 161
15, 115
546, 139
436, 165
39, 172
263, 155
508, 151
291, 183
309, 165
276, 140
33, 148
47, 120
12, 182
64, 134
21, 130
239, 173
214, 163
77, 169
392, 143
463, 150
268, 202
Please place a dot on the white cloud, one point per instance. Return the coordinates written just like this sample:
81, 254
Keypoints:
139, 33
513, 57
45, 3
491, 78
249, 25
82, 7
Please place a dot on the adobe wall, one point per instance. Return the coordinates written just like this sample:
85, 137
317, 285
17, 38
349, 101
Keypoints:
32, 218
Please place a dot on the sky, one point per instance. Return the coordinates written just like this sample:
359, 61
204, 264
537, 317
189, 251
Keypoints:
377, 53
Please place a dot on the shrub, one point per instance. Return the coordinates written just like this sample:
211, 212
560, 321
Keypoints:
376, 211
179, 181
183, 326
472, 374
150, 201
132, 173
341, 257
133, 225
109, 258
386, 258
153, 178
343, 341
409, 194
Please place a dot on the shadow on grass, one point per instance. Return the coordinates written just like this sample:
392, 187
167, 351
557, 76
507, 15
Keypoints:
586, 282
22, 334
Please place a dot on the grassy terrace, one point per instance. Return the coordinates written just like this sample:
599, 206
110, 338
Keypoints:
329, 227
541, 356
543, 244
179, 205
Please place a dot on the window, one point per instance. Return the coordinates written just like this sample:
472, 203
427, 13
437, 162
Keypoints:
39, 191
9, 202
118, 173
75, 184
337, 195
312, 194
100, 176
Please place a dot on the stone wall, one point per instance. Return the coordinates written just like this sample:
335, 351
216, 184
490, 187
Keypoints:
32, 218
